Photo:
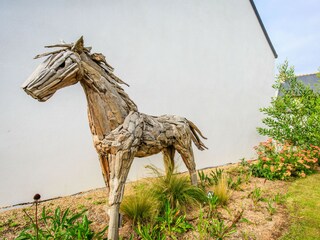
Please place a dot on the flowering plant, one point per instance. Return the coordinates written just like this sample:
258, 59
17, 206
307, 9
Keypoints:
293, 115
283, 160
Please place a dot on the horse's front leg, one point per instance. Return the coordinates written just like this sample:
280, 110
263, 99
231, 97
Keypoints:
121, 145
119, 169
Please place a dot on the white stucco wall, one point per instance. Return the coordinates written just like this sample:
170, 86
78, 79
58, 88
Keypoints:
206, 60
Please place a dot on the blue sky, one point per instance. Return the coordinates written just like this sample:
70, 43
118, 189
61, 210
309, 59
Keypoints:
294, 29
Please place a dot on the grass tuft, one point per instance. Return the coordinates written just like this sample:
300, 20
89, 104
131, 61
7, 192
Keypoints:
221, 190
177, 190
140, 208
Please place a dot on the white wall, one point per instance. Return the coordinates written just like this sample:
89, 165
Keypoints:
206, 60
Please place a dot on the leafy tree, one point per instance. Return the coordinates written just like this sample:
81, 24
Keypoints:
294, 115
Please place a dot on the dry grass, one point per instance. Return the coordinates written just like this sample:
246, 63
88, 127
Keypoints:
221, 190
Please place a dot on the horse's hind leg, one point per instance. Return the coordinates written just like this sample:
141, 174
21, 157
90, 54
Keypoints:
188, 159
168, 158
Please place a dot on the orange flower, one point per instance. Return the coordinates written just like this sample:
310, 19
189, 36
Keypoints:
306, 166
288, 173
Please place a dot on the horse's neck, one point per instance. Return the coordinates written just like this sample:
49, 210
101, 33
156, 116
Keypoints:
108, 104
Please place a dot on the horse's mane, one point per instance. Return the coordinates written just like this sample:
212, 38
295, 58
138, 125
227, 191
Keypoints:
101, 62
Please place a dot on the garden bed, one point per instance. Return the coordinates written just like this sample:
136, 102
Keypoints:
257, 203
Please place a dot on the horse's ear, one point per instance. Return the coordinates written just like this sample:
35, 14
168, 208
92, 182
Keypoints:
78, 46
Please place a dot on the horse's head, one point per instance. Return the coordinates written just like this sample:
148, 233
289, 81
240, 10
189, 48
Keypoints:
61, 69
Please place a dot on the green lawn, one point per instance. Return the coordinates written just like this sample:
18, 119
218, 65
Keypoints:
304, 206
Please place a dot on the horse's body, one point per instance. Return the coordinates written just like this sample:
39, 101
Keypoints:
119, 131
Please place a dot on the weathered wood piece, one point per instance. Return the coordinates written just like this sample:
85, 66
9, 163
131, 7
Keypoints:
120, 132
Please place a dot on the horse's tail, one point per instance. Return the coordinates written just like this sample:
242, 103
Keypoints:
195, 138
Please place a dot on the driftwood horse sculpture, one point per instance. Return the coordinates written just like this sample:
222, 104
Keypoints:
120, 132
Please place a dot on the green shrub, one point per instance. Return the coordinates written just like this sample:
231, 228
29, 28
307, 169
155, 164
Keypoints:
279, 198
167, 226
172, 223
219, 184
270, 207
211, 179
282, 161
205, 180
235, 185
213, 202
256, 195
211, 228
60, 225
294, 115
216, 175
150, 232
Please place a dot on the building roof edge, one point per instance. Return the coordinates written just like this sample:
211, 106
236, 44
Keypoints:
307, 74
263, 28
